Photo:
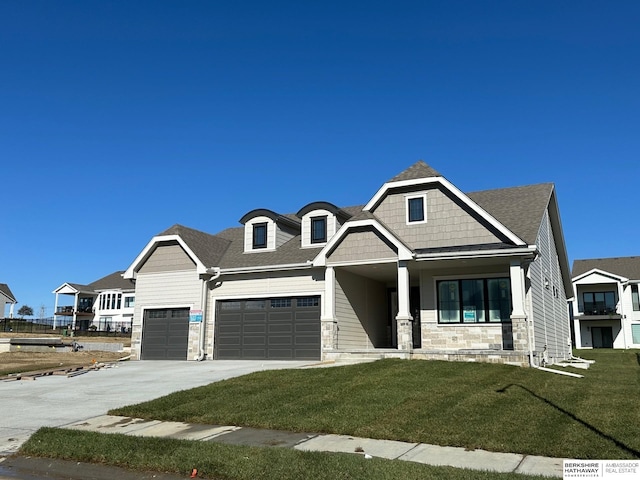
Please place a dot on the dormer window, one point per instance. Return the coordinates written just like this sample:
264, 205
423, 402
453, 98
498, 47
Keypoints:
260, 235
319, 229
416, 208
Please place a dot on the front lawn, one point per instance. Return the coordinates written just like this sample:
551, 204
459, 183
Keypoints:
493, 407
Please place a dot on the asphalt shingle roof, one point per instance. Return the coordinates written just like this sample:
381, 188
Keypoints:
520, 209
112, 281
208, 248
418, 170
628, 267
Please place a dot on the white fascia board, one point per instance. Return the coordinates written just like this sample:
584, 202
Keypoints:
403, 252
405, 183
266, 268
377, 261
66, 289
530, 250
453, 189
131, 273
604, 273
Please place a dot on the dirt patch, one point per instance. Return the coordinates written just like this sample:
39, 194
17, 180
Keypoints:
14, 362
126, 341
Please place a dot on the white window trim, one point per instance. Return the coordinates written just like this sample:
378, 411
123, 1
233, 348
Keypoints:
423, 196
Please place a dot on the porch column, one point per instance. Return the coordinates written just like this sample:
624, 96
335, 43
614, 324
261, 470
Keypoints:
404, 318
55, 310
518, 314
328, 321
75, 314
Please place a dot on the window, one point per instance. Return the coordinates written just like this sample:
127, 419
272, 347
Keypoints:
260, 235
308, 302
475, 300
129, 302
599, 303
280, 303
318, 229
635, 333
416, 209
635, 299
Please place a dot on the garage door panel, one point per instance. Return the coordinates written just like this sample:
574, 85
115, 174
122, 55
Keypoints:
165, 334
268, 329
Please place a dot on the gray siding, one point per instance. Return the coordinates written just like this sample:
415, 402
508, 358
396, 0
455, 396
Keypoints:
547, 298
167, 258
361, 245
159, 290
448, 224
361, 311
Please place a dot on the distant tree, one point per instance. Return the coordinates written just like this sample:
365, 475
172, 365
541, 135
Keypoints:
25, 311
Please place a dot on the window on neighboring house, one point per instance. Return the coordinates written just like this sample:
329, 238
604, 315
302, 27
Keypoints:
318, 229
477, 300
129, 302
635, 333
416, 209
599, 303
635, 299
260, 235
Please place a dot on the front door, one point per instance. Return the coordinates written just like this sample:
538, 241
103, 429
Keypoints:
602, 337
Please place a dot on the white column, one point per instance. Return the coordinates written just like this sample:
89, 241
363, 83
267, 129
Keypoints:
403, 319
328, 321
55, 309
622, 315
516, 273
75, 314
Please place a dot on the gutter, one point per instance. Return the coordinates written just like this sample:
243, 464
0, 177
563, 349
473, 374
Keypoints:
265, 268
215, 274
531, 250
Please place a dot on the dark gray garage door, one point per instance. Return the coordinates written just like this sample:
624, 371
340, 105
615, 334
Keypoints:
268, 329
165, 334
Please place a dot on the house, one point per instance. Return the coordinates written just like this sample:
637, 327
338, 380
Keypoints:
6, 297
422, 270
606, 306
106, 305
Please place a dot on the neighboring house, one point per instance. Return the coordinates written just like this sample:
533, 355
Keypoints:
106, 304
422, 270
6, 297
606, 307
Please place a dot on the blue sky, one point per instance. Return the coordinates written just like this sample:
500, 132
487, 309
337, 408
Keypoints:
119, 119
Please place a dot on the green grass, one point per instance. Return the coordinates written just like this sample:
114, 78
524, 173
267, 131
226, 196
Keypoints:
494, 407
218, 461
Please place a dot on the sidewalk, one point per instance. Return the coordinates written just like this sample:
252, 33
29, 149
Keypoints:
388, 449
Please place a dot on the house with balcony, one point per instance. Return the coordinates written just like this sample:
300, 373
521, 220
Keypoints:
105, 305
421, 270
605, 305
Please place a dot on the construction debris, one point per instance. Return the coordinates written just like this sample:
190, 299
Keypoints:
70, 372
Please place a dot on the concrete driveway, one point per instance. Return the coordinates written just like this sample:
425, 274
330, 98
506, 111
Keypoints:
54, 401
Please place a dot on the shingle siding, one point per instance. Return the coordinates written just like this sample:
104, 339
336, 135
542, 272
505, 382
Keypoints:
361, 246
447, 224
167, 258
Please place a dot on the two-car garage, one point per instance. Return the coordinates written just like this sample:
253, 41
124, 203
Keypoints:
281, 328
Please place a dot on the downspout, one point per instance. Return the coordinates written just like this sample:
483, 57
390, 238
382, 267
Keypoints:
529, 341
215, 272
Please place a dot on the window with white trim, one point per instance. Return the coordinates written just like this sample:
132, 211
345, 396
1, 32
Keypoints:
474, 300
319, 229
260, 235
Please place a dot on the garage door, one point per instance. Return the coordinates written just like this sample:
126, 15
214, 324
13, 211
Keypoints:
268, 329
165, 334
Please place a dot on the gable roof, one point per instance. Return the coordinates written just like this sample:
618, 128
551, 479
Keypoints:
6, 291
627, 267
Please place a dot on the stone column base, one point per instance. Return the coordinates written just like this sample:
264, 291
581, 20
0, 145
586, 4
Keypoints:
329, 334
405, 333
